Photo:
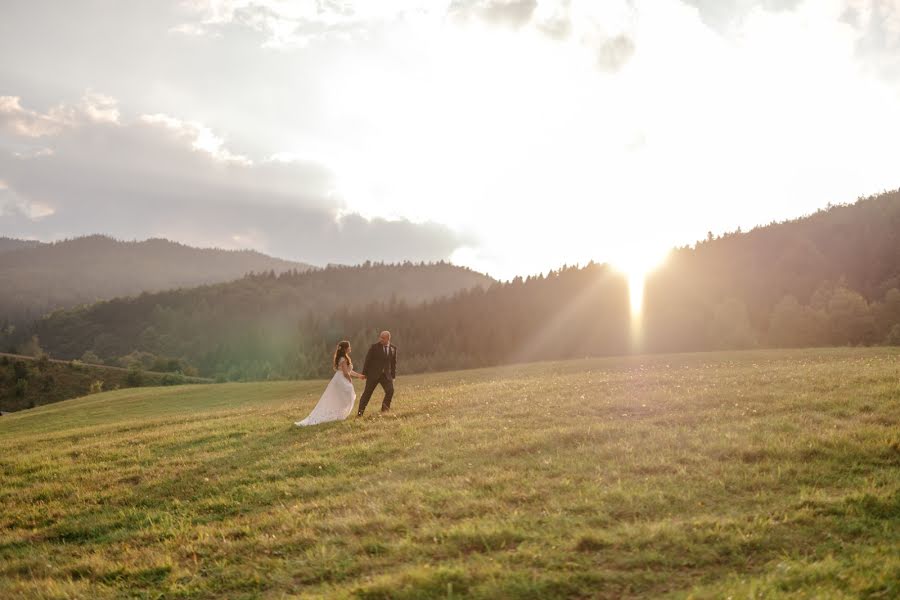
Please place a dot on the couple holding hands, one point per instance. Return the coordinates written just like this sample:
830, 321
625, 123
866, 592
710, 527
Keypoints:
379, 368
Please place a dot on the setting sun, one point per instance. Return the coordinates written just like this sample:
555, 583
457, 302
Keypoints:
636, 264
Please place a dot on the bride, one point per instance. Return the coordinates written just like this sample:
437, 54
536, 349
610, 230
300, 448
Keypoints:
338, 398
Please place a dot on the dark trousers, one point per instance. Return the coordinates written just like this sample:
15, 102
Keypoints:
371, 383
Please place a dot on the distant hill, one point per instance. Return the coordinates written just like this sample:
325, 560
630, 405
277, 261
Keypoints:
26, 382
243, 328
828, 279
37, 278
10, 244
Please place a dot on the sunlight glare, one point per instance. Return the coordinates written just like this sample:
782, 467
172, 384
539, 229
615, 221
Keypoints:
636, 291
636, 264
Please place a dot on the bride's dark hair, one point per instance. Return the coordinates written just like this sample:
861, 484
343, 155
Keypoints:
341, 352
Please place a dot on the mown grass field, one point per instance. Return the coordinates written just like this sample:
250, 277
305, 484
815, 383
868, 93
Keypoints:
763, 474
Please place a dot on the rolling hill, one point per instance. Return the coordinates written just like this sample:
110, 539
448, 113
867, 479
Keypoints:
741, 474
831, 278
245, 328
26, 382
10, 244
37, 278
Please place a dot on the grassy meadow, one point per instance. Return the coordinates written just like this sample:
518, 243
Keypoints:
762, 474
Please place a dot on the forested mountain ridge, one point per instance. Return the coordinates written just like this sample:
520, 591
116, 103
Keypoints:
37, 278
12, 244
831, 278
240, 326
859, 243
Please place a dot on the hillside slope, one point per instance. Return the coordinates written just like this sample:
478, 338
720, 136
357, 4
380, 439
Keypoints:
26, 382
844, 259
11, 244
248, 327
36, 279
734, 474
831, 278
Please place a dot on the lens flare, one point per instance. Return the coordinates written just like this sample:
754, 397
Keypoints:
636, 282
636, 265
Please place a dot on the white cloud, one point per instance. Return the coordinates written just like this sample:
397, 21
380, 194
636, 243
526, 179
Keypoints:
100, 108
29, 123
19, 121
201, 138
160, 175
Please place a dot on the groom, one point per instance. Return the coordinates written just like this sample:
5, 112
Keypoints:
380, 366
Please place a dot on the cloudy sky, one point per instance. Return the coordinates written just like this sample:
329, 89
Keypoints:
508, 135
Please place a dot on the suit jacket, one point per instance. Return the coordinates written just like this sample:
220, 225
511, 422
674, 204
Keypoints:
377, 362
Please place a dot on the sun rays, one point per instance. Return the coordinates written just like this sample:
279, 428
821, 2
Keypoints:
636, 263
636, 282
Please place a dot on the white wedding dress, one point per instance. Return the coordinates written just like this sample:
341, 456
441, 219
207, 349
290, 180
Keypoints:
336, 402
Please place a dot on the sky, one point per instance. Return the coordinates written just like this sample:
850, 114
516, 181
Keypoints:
511, 136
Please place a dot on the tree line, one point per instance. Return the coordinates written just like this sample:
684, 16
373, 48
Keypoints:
829, 279
236, 330
832, 278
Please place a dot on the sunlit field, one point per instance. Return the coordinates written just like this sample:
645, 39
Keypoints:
760, 474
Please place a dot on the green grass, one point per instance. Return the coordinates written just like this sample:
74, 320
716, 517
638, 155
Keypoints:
770, 474
56, 380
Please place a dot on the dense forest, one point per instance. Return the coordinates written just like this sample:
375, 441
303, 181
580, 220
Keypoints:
36, 278
832, 278
827, 279
239, 329
570, 313
10, 244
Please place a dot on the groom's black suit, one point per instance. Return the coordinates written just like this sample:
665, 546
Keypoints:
380, 366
